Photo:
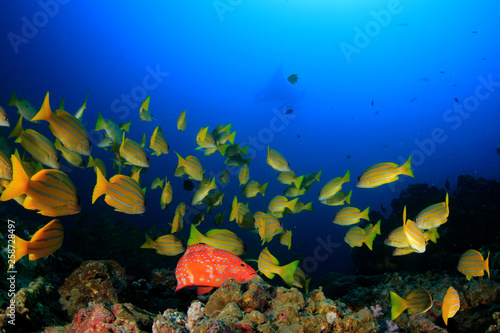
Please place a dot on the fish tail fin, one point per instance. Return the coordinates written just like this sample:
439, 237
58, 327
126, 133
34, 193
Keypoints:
244, 150
291, 204
406, 168
298, 181
447, 204
287, 272
20, 249
398, 305
90, 162
348, 197
234, 209
308, 207
18, 129
45, 112
318, 175
13, 99
222, 149
19, 183
369, 240
347, 177
376, 228
195, 236
100, 186
262, 189
99, 124
213, 185
364, 214
231, 137
486, 265
125, 126
149, 244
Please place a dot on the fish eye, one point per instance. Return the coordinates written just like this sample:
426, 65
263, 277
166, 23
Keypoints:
5, 118
242, 265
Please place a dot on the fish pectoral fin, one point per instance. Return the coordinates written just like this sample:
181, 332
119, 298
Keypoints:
203, 290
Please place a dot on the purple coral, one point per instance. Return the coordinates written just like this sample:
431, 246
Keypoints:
376, 310
391, 327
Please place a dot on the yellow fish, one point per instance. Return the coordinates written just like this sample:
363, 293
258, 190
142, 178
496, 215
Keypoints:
267, 225
350, 215
419, 301
384, 173
79, 112
192, 166
220, 238
241, 213
158, 143
279, 203
167, 245
144, 114
288, 178
113, 132
434, 215
333, 186
397, 238
97, 163
252, 188
36, 144
166, 195
276, 160
24, 108
300, 281
70, 156
202, 192
244, 174
5, 167
285, 238
291, 191
338, 199
224, 178
181, 122
178, 222
121, 192
413, 234
65, 127
471, 264
4, 119
49, 191
133, 153
356, 237
451, 304
268, 265
44, 242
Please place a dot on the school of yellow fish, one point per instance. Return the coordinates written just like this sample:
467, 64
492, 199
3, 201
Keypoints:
51, 192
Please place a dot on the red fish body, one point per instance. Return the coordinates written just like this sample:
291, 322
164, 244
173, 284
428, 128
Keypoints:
207, 267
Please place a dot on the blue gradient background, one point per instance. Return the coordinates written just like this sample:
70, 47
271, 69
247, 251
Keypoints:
220, 55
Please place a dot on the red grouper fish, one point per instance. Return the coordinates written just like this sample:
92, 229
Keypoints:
207, 267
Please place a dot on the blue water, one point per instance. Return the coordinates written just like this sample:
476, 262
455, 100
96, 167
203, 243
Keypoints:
378, 81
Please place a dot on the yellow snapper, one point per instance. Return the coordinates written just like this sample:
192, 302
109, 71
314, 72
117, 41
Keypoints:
418, 301
285, 238
206, 141
291, 191
65, 127
181, 121
133, 153
113, 132
397, 238
97, 163
338, 199
350, 215
373, 228
276, 160
471, 264
413, 234
202, 192
300, 281
288, 178
24, 108
356, 237
36, 144
333, 186
252, 188
384, 173
5, 167
267, 225
224, 178
244, 174
122, 193
311, 178
241, 213
451, 304
166, 195
279, 203
144, 114
70, 156
191, 166
4, 119
434, 215
268, 265
167, 245
157, 182
158, 142
220, 238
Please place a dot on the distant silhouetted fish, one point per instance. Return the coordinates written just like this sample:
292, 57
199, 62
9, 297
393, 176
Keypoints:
424, 79
372, 102
188, 185
456, 100
289, 111
376, 113
348, 156
412, 100
498, 151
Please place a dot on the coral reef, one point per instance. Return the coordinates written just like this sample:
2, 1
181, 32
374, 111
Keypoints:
92, 281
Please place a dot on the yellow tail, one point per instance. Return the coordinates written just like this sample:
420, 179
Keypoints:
406, 168
195, 236
20, 181
45, 112
149, 243
100, 186
20, 249
398, 305
287, 272
364, 214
